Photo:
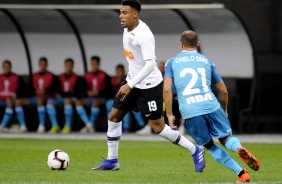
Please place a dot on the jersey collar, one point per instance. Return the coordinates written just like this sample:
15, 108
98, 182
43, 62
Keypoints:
189, 51
132, 31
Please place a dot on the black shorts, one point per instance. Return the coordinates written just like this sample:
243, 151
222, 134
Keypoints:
148, 101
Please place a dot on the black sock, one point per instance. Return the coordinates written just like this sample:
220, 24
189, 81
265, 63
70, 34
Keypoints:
241, 173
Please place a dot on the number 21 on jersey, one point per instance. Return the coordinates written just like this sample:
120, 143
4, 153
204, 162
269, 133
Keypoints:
189, 90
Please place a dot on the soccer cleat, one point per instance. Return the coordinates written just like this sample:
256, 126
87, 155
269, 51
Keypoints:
199, 160
23, 129
244, 177
83, 130
108, 165
248, 158
66, 130
90, 129
87, 129
41, 129
4, 130
54, 129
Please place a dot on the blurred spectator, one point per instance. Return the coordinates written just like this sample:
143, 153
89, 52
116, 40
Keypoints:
70, 90
99, 89
45, 85
116, 82
11, 88
161, 66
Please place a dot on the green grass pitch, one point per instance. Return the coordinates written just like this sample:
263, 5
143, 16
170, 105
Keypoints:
24, 161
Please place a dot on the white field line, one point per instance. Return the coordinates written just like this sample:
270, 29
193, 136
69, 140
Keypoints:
250, 138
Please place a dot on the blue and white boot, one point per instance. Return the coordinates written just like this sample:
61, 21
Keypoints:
106, 165
199, 160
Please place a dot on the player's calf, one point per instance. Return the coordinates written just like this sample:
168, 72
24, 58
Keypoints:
157, 125
233, 144
196, 152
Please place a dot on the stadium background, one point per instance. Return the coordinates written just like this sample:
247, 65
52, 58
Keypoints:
254, 99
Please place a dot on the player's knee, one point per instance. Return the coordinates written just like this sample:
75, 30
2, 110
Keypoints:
115, 116
97, 103
10, 104
223, 140
157, 130
157, 126
18, 103
209, 144
78, 103
40, 102
67, 101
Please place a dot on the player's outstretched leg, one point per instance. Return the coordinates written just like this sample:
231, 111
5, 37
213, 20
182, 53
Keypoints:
113, 134
224, 159
178, 139
233, 144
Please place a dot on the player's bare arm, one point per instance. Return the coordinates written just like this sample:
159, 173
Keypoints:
222, 95
167, 93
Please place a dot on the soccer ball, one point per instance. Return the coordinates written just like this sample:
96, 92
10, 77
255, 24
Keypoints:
58, 160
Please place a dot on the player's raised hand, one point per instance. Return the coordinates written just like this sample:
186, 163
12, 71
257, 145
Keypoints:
123, 92
171, 121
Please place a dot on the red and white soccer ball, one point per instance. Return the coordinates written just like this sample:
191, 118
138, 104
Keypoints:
58, 160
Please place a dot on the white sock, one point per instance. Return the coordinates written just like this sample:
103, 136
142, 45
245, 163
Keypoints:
114, 133
177, 138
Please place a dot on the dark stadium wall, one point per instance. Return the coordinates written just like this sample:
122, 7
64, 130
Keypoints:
262, 17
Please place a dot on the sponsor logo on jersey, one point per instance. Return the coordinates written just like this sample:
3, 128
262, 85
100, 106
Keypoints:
199, 98
128, 54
